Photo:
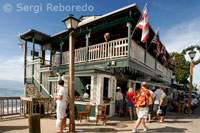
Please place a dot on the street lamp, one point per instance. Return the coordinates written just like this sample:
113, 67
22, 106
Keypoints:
71, 23
192, 55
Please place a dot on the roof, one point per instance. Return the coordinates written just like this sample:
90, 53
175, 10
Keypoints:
40, 37
98, 18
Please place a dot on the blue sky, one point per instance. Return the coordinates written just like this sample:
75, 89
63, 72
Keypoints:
178, 20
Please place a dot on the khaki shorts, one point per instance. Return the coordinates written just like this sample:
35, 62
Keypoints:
142, 112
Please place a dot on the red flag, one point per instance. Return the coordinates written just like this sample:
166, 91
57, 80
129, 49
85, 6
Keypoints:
144, 25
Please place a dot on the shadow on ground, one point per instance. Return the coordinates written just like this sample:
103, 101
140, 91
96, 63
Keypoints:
168, 129
12, 118
4, 129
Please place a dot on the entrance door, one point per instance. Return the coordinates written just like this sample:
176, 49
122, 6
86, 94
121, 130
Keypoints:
122, 83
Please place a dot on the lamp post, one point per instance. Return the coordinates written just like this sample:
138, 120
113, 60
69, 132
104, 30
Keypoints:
71, 23
192, 55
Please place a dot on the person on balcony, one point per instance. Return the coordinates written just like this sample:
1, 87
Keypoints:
107, 37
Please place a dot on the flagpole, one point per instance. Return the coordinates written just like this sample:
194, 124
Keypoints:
138, 21
153, 37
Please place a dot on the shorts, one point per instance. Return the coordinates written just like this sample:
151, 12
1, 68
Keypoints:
130, 104
142, 112
119, 104
164, 109
61, 112
151, 109
155, 107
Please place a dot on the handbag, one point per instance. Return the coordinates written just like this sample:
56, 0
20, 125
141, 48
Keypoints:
159, 111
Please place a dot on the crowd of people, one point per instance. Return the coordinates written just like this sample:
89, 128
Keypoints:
144, 104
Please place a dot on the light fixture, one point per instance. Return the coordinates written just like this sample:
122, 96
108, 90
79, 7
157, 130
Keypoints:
71, 22
192, 54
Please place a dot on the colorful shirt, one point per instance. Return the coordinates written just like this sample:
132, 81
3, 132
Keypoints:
130, 96
141, 98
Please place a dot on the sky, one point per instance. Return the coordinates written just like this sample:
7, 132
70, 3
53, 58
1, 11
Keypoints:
178, 21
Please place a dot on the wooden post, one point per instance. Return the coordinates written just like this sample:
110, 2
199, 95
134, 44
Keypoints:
145, 53
33, 51
129, 38
190, 89
61, 49
34, 123
87, 44
25, 61
71, 82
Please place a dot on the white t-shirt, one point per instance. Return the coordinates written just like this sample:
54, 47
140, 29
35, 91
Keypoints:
157, 95
62, 91
85, 95
118, 96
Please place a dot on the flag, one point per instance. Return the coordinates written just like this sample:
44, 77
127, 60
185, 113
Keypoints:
170, 59
156, 40
163, 50
164, 60
144, 25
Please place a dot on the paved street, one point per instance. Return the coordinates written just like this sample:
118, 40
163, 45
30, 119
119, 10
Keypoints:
174, 123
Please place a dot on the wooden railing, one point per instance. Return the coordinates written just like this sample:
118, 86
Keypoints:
10, 106
111, 49
44, 106
107, 50
25, 105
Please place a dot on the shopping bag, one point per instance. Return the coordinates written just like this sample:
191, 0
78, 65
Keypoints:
159, 111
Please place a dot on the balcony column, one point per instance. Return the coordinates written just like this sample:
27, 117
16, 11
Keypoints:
51, 55
43, 55
61, 49
87, 44
145, 53
129, 37
25, 60
33, 56
50, 83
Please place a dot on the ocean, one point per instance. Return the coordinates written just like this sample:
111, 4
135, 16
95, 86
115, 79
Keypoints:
11, 92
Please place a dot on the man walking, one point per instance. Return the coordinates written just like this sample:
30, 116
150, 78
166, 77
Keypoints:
157, 95
163, 105
142, 104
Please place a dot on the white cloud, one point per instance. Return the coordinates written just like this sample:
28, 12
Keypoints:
182, 36
12, 68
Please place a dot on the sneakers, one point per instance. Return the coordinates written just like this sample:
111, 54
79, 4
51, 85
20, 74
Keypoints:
135, 131
146, 129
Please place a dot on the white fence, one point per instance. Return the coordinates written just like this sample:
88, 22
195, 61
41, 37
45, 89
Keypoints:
112, 49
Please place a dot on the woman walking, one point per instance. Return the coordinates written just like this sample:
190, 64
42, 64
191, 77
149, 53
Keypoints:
131, 106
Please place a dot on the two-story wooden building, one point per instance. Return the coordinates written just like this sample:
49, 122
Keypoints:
100, 66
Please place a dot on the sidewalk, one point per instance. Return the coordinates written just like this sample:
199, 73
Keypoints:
174, 123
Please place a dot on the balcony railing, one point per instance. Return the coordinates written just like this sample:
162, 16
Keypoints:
107, 50
112, 50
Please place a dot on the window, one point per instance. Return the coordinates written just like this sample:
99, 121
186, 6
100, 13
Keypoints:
82, 83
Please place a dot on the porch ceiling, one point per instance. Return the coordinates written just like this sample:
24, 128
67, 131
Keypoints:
40, 38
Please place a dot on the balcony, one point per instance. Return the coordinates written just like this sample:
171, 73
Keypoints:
116, 49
